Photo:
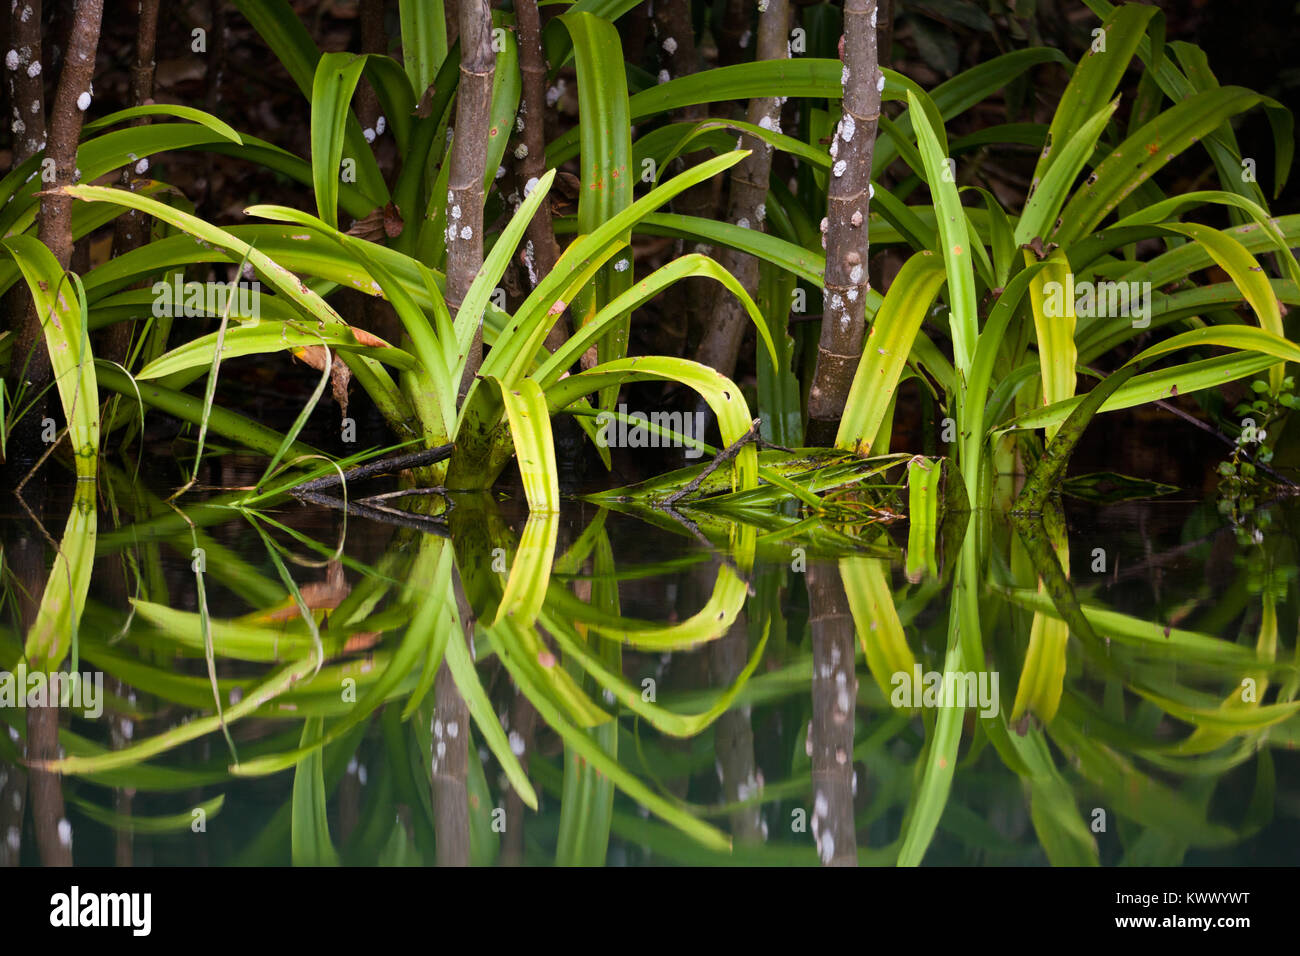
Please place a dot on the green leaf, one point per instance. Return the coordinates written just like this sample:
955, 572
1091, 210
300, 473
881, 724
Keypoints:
332, 88
310, 829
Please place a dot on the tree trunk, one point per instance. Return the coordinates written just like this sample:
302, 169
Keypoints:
468, 166
746, 208
26, 85
30, 361
541, 250
131, 228
846, 282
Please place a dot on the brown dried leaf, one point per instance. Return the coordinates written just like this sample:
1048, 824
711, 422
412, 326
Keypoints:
340, 374
377, 224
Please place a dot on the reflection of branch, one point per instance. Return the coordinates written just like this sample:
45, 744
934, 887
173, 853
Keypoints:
393, 516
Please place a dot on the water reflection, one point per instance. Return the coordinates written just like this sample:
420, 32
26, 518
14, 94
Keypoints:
1107, 684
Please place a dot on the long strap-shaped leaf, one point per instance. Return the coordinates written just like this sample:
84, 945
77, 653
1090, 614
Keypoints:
954, 238
332, 88
59, 307
885, 352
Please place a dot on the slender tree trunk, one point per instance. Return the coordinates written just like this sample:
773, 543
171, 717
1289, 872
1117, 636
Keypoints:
747, 208
65, 127
464, 258
885, 32
213, 75
846, 282
690, 300
372, 41
468, 165
131, 228
733, 34
540, 250
834, 694
30, 361
25, 82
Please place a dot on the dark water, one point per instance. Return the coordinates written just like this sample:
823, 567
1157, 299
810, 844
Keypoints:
1154, 754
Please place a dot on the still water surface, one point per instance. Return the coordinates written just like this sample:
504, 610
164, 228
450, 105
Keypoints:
667, 690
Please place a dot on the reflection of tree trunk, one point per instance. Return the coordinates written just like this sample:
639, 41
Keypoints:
834, 693
53, 833
451, 753
25, 556
520, 732
121, 730
734, 736
685, 671
13, 797
26, 559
